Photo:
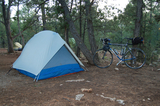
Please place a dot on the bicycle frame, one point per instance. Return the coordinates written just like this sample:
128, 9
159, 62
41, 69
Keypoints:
122, 58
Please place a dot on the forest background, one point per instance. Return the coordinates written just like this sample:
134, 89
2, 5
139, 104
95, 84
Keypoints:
81, 23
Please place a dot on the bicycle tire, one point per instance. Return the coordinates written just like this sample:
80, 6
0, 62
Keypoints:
103, 59
138, 61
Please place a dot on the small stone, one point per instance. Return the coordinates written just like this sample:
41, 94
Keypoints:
79, 96
86, 90
88, 81
158, 69
117, 69
155, 63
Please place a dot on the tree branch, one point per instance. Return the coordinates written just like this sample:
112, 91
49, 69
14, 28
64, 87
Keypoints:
31, 23
2, 22
23, 30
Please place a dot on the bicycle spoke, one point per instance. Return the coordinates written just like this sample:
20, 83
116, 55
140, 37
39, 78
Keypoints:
135, 58
103, 59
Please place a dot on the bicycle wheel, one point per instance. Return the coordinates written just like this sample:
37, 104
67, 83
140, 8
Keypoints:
135, 58
102, 59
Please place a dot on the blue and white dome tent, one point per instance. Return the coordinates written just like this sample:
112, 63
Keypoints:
47, 55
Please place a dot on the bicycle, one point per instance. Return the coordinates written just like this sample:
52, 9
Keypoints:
133, 58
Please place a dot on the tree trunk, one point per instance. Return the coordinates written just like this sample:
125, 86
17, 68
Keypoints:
9, 39
3, 42
6, 17
138, 18
138, 23
80, 31
90, 26
84, 27
75, 34
66, 35
22, 38
43, 16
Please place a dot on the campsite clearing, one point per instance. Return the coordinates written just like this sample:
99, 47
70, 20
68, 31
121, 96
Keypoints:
110, 87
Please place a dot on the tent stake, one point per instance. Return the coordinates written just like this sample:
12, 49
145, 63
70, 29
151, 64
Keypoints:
9, 70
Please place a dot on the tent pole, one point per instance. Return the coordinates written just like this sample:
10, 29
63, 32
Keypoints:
85, 69
36, 78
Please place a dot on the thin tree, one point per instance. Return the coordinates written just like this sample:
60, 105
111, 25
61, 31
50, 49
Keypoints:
43, 14
6, 18
75, 34
138, 18
18, 22
80, 28
90, 28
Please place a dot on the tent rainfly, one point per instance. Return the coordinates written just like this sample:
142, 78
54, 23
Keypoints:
47, 55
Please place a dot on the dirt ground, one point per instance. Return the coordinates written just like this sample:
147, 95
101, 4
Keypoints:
110, 87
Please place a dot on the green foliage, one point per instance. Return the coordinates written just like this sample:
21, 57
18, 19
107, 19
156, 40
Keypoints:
72, 43
115, 28
157, 17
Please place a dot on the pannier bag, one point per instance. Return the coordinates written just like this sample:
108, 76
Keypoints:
137, 40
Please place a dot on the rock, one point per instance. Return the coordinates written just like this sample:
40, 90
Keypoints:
117, 69
148, 98
86, 90
78, 80
79, 96
155, 63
